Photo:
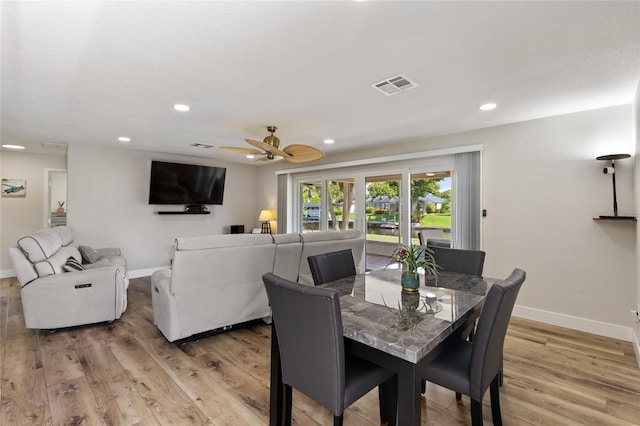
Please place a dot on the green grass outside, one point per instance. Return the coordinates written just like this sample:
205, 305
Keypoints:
437, 220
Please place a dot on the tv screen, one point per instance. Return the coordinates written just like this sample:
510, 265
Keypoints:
173, 183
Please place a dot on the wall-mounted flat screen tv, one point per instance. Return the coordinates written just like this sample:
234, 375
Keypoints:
173, 183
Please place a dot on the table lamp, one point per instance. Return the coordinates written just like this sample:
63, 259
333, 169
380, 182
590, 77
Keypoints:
265, 217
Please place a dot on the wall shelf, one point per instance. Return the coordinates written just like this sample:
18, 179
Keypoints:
186, 212
617, 218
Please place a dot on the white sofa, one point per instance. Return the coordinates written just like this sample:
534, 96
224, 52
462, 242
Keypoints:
54, 298
216, 281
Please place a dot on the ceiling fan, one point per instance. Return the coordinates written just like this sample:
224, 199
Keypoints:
270, 148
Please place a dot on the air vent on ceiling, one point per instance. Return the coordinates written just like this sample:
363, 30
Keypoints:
395, 84
201, 145
54, 145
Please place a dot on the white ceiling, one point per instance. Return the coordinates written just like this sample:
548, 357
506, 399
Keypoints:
86, 73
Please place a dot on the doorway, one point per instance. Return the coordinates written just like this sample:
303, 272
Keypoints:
55, 203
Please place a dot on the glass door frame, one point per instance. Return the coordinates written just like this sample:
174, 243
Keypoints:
359, 174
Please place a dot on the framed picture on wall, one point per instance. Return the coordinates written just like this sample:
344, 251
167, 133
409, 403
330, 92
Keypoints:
14, 187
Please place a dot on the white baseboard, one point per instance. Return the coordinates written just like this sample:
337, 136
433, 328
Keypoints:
144, 272
7, 273
575, 323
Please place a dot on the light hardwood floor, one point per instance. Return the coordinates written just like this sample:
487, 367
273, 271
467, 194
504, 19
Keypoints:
126, 373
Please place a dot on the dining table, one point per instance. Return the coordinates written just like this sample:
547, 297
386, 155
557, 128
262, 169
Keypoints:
394, 329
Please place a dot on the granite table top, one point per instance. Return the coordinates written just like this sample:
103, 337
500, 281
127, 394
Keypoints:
377, 313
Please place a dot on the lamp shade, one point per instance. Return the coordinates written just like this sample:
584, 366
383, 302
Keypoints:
266, 215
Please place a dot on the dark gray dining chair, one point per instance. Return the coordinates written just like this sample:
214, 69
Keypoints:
472, 367
469, 262
313, 360
327, 267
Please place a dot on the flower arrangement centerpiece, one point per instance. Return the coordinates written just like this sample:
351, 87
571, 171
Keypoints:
411, 257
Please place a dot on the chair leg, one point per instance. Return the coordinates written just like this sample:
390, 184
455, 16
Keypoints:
423, 386
287, 405
476, 413
458, 396
337, 420
495, 401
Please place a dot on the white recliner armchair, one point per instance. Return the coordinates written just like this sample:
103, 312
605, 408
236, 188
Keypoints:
59, 290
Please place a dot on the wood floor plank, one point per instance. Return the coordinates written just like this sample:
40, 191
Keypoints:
24, 399
126, 373
59, 358
160, 392
210, 395
118, 401
73, 403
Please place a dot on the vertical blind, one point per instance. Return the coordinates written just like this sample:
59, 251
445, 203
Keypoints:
467, 214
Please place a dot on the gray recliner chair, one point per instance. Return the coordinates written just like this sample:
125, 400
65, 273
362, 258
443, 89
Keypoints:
59, 290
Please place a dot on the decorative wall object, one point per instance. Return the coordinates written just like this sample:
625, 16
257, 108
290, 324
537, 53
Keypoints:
14, 187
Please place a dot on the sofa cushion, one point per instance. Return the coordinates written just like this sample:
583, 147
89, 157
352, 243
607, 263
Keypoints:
65, 234
40, 245
52, 265
73, 265
72, 251
107, 261
89, 254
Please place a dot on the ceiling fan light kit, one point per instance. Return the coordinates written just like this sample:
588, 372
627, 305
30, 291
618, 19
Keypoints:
269, 147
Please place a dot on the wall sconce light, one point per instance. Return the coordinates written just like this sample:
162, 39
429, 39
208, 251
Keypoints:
265, 217
612, 171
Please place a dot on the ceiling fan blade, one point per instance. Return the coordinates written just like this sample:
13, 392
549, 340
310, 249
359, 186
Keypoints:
266, 147
303, 153
245, 151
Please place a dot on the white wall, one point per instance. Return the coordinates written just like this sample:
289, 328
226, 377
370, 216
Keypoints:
541, 187
22, 215
108, 204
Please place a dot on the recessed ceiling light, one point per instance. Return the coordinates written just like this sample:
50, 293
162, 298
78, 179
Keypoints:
329, 141
181, 107
487, 107
10, 146
251, 156
124, 139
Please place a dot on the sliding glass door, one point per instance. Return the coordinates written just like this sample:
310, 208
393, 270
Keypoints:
431, 206
392, 202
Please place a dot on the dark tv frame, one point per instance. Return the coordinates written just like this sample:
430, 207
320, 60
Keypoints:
191, 171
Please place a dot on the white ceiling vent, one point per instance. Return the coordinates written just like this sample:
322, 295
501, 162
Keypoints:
201, 145
395, 84
54, 145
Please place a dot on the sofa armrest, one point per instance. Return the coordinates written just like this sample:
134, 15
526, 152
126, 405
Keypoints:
109, 251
